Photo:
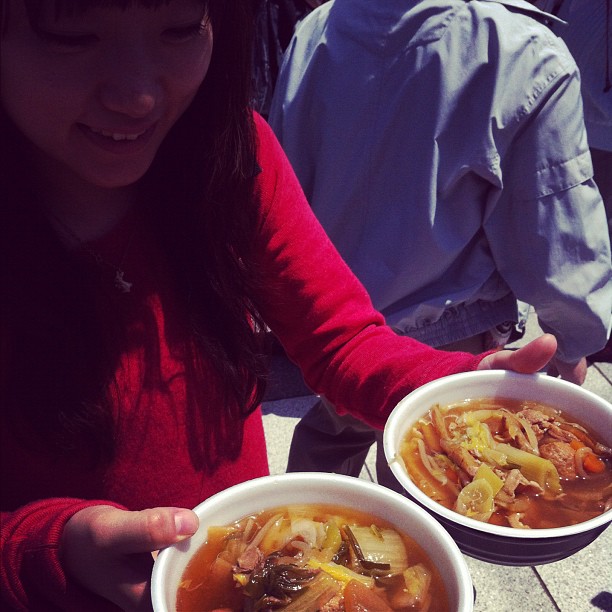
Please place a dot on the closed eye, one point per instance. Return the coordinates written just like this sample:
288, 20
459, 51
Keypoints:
185, 33
66, 41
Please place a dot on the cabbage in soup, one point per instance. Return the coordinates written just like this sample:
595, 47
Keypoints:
307, 558
509, 462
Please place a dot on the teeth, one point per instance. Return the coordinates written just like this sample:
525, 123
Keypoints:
121, 136
116, 136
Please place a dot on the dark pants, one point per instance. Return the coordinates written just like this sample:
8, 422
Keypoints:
324, 441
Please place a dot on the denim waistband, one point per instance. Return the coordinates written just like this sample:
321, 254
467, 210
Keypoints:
463, 321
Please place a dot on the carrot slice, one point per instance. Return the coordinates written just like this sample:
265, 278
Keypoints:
576, 444
593, 464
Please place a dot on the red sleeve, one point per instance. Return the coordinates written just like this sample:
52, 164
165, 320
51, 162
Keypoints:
31, 574
321, 312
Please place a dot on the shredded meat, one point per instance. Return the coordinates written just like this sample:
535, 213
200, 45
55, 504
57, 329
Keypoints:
554, 431
536, 416
515, 521
561, 454
511, 482
460, 456
539, 421
516, 478
250, 559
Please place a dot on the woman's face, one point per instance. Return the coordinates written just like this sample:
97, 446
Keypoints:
97, 93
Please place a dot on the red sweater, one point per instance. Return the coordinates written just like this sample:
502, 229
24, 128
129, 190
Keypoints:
327, 325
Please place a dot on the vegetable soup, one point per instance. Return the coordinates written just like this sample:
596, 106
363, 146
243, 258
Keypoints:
509, 462
307, 558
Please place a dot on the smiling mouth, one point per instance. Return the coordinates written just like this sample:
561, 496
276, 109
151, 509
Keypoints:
118, 136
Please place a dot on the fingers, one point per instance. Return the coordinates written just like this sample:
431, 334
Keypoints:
108, 550
144, 531
535, 356
530, 358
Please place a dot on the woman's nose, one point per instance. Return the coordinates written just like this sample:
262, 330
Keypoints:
131, 89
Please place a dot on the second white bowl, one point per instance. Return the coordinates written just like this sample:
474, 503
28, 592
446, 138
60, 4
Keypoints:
493, 543
272, 491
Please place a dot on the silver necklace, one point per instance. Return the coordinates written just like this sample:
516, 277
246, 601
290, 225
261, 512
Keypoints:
120, 283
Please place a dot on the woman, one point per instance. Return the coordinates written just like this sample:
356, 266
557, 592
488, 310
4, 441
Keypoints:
151, 228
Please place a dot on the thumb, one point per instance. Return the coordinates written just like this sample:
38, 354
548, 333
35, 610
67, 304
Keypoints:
528, 359
108, 550
146, 530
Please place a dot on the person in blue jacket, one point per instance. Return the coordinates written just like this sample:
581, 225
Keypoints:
442, 145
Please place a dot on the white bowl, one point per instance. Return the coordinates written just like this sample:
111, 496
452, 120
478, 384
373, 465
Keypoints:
493, 543
271, 491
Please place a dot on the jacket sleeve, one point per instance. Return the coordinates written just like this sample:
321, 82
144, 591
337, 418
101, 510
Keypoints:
31, 573
323, 315
548, 231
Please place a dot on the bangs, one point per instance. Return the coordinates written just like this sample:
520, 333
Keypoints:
71, 8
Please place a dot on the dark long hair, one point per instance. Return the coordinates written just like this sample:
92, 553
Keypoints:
202, 217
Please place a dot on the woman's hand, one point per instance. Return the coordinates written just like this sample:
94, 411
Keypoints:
528, 359
534, 356
108, 550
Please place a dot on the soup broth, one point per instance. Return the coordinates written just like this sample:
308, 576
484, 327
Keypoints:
509, 462
302, 557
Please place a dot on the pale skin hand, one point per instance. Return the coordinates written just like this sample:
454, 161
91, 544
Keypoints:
538, 354
109, 551
529, 359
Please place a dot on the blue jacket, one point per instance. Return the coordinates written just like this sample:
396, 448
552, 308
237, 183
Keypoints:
442, 145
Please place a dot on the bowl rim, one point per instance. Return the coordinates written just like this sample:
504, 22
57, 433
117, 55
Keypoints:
455, 557
396, 465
